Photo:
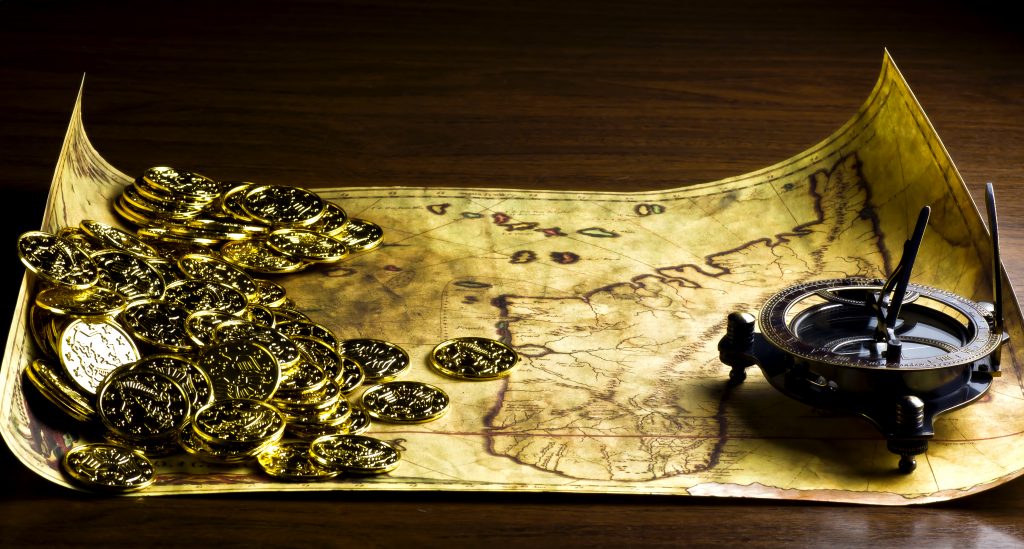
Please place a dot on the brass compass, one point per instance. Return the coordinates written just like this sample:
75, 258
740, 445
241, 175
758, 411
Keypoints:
896, 353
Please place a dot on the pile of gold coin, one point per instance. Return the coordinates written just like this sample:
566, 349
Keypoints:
163, 341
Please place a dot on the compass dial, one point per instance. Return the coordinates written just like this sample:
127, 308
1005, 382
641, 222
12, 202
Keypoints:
831, 321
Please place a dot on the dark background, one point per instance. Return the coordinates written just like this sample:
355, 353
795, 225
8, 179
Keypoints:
563, 95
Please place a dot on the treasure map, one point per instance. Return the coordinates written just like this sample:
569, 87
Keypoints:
616, 303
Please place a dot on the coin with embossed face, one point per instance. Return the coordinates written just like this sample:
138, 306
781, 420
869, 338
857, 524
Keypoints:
137, 403
128, 275
241, 369
352, 375
355, 454
381, 361
358, 422
56, 261
305, 378
473, 358
230, 201
158, 323
255, 256
284, 349
205, 267
307, 245
201, 324
184, 372
333, 222
291, 461
272, 294
90, 349
112, 237
90, 302
260, 314
181, 183
108, 467
283, 206
360, 235
405, 402
238, 421
202, 295
302, 328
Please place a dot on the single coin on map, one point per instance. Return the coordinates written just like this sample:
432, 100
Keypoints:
381, 361
473, 358
405, 402
355, 454
56, 261
108, 467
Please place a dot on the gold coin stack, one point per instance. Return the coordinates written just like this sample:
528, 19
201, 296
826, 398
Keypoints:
163, 341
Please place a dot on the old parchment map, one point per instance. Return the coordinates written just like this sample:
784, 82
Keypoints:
616, 302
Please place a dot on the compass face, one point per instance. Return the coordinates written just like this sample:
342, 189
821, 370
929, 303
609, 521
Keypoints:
830, 321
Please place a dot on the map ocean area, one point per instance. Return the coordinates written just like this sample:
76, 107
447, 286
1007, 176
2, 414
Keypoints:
616, 303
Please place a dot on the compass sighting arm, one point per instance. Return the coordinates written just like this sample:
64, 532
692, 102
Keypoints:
997, 278
890, 299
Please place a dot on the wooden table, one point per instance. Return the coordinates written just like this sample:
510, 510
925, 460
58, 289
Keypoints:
577, 95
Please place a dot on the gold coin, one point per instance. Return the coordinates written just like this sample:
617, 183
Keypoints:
164, 235
241, 369
186, 373
352, 375
80, 239
158, 323
55, 388
108, 467
91, 349
283, 348
142, 404
112, 237
354, 454
90, 302
56, 261
132, 200
305, 328
255, 256
237, 421
321, 353
188, 185
283, 206
291, 461
333, 222
285, 313
473, 358
211, 269
360, 235
405, 402
128, 275
358, 422
233, 228
304, 379
230, 202
307, 245
272, 294
203, 295
260, 314
381, 361
201, 324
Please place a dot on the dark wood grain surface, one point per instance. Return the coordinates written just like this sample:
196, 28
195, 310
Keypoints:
564, 95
